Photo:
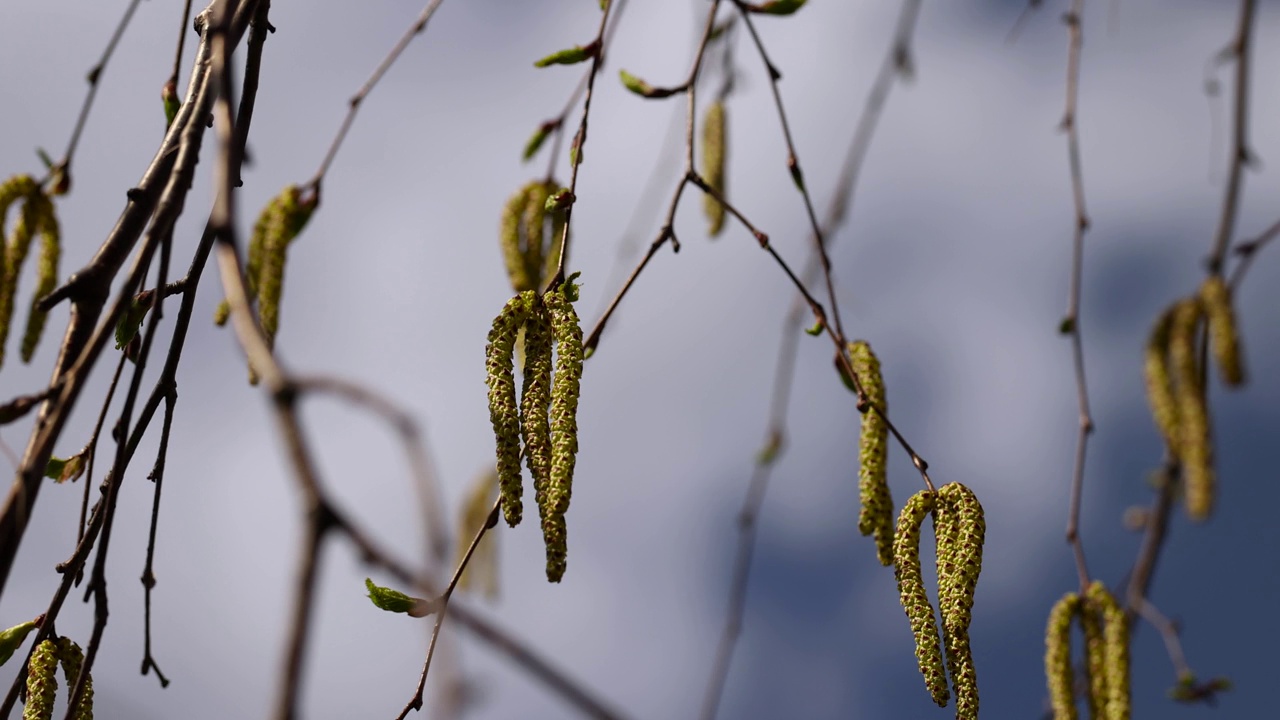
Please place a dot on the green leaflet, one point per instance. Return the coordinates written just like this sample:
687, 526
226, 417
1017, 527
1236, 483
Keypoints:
397, 602
569, 56
12, 639
778, 7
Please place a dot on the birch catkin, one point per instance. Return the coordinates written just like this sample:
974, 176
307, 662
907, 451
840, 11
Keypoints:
42, 682
876, 514
911, 592
72, 658
565, 389
15, 253
504, 414
963, 525
713, 164
1114, 701
1224, 338
535, 400
1058, 672
46, 272
1194, 447
1160, 394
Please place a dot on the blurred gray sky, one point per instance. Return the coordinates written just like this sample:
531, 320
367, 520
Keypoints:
954, 266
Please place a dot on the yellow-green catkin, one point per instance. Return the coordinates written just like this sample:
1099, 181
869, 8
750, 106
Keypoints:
284, 217
1058, 672
876, 513
481, 574
1095, 656
1115, 665
72, 658
13, 253
1224, 337
504, 414
42, 682
565, 390
534, 223
1160, 394
253, 262
509, 237
911, 592
713, 164
535, 399
46, 272
961, 523
1195, 447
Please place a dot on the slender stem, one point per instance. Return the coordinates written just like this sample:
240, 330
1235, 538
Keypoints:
1071, 323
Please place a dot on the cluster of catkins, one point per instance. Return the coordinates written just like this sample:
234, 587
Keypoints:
1175, 388
42, 680
37, 216
959, 529
1106, 633
278, 224
545, 420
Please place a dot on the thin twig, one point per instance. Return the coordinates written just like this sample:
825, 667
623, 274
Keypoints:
896, 62
148, 574
793, 166
94, 75
1240, 155
1071, 322
353, 104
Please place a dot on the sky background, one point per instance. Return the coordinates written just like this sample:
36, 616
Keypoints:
954, 265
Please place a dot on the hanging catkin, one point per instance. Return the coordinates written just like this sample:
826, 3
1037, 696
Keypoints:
911, 592
1224, 338
565, 389
876, 514
713, 164
1058, 671
504, 414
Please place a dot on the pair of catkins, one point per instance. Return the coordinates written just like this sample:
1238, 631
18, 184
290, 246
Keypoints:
959, 529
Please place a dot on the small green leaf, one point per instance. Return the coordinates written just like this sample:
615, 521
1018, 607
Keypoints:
53, 469
642, 88
560, 200
72, 469
129, 323
169, 95
44, 158
569, 56
796, 176
844, 376
397, 602
12, 639
1067, 326
538, 137
816, 330
777, 7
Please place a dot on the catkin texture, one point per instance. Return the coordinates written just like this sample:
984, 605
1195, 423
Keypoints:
1194, 447
876, 514
509, 237
565, 390
42, 682
46, 272
1160, 394
504, 414
1095, 656
1224, 336
911, 592
960, 530
713, 164
534, 224
72, 658
14, 255
535, 399
1058, 672
1115, 665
